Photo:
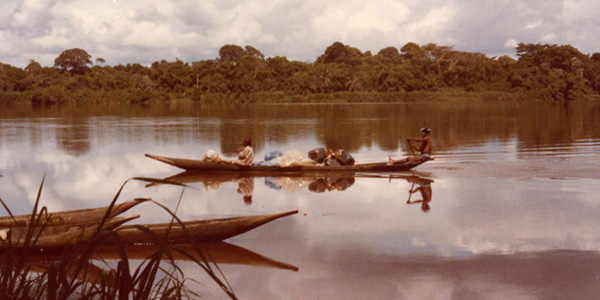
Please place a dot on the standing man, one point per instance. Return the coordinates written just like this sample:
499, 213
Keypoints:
424, 149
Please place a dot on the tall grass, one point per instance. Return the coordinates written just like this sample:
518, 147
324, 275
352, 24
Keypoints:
29, 272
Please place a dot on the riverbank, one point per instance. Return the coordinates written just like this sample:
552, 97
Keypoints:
56, 96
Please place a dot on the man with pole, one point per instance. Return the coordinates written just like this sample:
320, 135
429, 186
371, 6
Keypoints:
424, 149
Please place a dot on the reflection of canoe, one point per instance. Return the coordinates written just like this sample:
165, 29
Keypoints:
315, 181
80, 216
200, 165
58, 235
218, 252
200, 231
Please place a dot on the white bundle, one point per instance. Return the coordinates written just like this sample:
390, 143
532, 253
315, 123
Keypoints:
294, 158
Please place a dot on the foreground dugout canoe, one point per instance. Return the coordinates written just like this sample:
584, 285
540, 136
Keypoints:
58, 235
200, 165
74, 217
200, 231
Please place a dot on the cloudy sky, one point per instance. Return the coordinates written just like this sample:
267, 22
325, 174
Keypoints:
144, 31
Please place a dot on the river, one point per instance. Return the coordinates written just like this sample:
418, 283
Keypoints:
508, 209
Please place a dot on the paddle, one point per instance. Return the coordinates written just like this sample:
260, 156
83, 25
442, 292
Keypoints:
411, 147
410, 192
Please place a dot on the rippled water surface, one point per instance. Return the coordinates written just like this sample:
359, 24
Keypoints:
508, 209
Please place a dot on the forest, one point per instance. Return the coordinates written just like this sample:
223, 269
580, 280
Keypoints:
344, 73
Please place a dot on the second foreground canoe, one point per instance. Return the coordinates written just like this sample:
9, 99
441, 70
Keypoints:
72, 217
59, 235
200, 165
199, 231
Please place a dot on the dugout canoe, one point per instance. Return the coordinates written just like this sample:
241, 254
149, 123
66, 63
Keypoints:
201, 231
80, 216
211, 166
58, 235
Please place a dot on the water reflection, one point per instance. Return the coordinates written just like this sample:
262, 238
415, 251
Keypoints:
217, 252
316, 183
349, 127
423, 187
103, 267
245, 182
73, 136
514, 216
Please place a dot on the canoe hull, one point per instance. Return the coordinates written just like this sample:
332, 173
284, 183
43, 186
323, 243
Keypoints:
71, 217
199, 231
59, 235
210, 166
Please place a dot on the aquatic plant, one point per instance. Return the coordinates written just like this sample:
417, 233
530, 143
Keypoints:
30, 272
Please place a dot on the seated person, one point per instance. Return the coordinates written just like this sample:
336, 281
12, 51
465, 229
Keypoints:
425, 148
245, 154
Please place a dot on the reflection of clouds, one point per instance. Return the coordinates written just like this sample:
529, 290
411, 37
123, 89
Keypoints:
359, 274
468, 215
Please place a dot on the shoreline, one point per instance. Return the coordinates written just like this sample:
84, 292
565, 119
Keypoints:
40, 98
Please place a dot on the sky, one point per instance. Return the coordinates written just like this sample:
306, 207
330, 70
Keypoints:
145, 31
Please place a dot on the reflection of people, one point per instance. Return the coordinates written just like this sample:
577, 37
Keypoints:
425, 148
321, 185
426, 193
246, 188
245, 154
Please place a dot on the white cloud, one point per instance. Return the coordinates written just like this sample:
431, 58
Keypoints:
511, 44
139, 31
533, 25
434, 22
577, 11
549, 38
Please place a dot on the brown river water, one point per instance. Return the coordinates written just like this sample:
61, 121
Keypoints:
509, 208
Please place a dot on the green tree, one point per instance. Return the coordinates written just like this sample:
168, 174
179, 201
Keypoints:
33, 68
73, 60
230, 53
557, 71
340, 54
12, 78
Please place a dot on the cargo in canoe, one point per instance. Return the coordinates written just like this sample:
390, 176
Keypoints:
201, 165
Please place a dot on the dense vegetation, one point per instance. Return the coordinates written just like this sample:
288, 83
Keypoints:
414, 72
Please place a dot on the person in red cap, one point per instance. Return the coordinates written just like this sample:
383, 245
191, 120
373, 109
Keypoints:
425, 148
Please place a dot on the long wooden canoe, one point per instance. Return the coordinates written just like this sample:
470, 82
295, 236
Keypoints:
200, 165
58, 235
200, 231
80, 216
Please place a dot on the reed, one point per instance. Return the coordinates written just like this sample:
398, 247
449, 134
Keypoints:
29, 272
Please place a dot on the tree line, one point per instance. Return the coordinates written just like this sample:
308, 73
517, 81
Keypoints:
541, 71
